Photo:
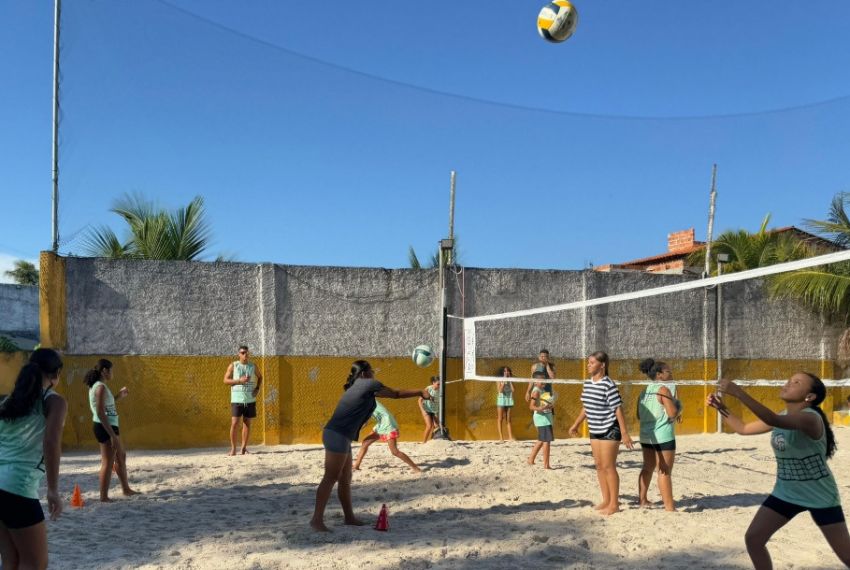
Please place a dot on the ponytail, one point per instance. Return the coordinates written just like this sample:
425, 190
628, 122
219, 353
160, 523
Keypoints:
94, 375
358, 369
819, 390
28, 390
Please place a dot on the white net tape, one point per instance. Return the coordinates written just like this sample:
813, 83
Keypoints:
470, 324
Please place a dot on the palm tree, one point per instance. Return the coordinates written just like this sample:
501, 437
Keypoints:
825, 289
433, 261
24, 273
154, 233
748, 250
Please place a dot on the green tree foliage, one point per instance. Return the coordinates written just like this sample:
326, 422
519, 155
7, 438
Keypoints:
825, 289
153, 232
434, 260
748, 250
24, 273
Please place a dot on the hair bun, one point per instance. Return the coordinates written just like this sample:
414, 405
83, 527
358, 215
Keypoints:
646, 365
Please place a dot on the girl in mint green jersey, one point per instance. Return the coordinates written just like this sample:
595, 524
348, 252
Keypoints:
430, 408
657, 409
105, 426
386, 429
31, 420
802, 442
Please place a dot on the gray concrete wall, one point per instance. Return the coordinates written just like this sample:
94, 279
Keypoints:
19, 310
190, 308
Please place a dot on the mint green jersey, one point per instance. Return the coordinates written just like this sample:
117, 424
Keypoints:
802, 475
541, 419
432, 405
108, 401
22, 452
243, 393
655, 425
386, 423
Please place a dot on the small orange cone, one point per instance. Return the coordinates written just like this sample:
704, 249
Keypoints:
383, 519
77, 498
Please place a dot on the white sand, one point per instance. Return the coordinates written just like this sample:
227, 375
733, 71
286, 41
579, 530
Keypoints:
476, 505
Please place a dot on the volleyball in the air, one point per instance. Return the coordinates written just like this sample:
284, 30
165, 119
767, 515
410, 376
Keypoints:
557, 21
423, 356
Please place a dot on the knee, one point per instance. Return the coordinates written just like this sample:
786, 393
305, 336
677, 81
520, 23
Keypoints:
754, 539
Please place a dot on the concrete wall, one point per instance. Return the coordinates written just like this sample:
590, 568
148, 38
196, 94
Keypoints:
19, 310
172, 328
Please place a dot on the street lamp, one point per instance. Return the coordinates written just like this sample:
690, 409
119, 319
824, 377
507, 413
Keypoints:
722, 258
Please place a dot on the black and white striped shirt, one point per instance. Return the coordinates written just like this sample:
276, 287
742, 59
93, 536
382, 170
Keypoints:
601, 400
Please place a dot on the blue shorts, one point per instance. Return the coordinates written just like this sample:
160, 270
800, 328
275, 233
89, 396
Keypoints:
335, 442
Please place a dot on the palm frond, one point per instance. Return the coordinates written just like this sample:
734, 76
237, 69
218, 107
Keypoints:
101, 241
412, 258
818, 287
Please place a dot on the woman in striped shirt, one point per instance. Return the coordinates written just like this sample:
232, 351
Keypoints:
603, 409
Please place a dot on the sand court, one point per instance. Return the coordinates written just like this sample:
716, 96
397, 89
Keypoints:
477, 504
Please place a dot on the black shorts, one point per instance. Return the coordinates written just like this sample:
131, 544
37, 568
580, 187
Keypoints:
666, 446
19, 512
822, 517
613, 434
545, 434
101, 434
247, 410
432, 415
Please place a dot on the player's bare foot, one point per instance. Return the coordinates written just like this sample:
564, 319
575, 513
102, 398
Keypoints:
231, 453
106, 500
646, 504
416, 470
354, 522
547, 467
530, 461
131, 492
245, 451
355, 468
609, 511
319, 526
600, 506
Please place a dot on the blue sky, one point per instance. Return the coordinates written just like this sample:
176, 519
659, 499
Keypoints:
324, 134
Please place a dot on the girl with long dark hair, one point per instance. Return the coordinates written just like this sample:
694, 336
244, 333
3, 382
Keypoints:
802, 442
351, 414
105, 426
31, 420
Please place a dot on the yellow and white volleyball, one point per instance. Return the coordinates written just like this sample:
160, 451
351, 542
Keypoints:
557, 21
547, 398
423, 356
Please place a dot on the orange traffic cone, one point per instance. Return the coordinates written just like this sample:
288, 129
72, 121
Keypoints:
77, 498
383, 519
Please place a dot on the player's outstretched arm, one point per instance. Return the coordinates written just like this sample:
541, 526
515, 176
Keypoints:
809, 424
387, 392
737, 424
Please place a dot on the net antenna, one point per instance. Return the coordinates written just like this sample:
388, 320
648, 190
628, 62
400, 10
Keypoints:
469, 323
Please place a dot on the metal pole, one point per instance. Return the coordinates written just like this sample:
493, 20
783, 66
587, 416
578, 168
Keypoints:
443, 360
452, 218
719, 341
711, 201
56, 17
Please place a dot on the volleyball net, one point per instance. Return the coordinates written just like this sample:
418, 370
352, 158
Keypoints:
756, 326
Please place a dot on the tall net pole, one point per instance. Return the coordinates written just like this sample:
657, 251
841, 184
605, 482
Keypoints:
55, 200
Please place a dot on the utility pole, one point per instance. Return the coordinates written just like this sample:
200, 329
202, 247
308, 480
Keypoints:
57, 12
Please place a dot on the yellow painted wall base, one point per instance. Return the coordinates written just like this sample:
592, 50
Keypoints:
181, 401
10, 365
